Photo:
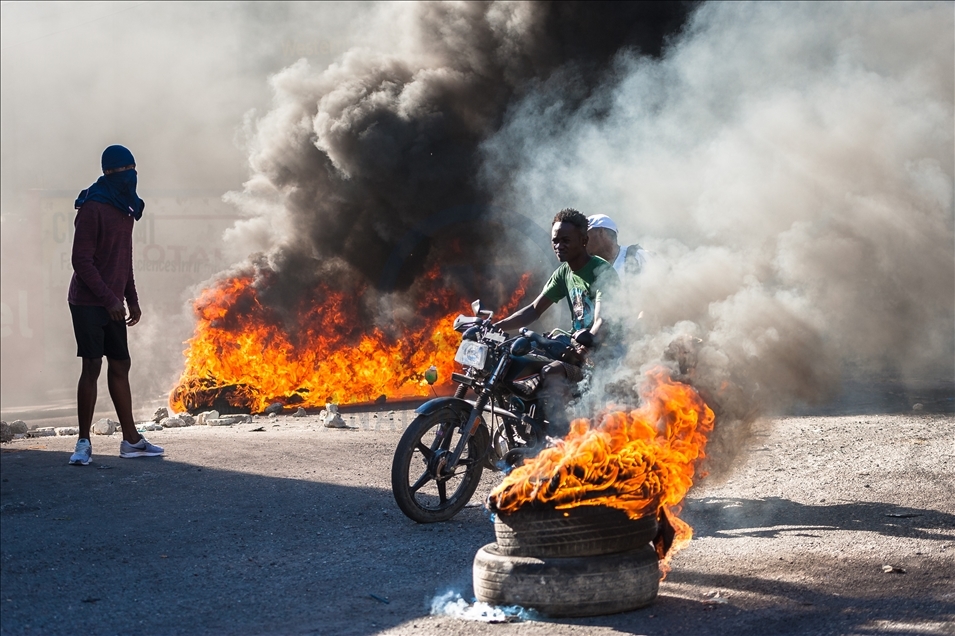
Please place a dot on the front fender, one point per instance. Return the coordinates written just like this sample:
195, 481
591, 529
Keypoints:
461, 404
437, 404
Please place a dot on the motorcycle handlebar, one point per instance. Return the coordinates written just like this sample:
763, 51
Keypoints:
536, 337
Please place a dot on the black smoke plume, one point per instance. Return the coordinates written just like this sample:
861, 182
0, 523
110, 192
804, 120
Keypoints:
366, 171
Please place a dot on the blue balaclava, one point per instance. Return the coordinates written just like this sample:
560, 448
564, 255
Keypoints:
117, 189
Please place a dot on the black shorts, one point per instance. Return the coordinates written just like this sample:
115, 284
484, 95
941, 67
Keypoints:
97, 335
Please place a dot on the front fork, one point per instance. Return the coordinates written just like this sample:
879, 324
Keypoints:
483, 396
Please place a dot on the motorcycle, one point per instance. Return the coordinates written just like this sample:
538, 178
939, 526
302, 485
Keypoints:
442, 454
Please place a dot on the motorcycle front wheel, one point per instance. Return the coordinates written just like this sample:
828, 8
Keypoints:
425, 489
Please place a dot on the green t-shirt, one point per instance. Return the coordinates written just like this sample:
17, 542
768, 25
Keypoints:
582, 289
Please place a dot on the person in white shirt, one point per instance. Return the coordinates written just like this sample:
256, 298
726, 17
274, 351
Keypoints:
602, 242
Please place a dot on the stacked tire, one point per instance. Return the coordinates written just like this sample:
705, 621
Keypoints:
584, 561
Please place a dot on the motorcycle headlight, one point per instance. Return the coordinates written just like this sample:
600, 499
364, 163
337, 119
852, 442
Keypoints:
472, 354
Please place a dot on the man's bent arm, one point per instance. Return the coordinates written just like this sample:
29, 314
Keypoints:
526, 315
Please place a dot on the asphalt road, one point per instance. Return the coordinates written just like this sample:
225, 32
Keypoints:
293, 530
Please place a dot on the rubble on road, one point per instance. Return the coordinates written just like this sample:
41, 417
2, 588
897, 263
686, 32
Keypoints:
105, 426
229, 420
178, 421
46, 431
161, 413
299, 413
66, 431
714, 598
143, 427
203, 418
5, 433
19, 427
330, 417
274, 407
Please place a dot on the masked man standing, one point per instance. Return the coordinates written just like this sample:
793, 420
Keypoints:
102, 279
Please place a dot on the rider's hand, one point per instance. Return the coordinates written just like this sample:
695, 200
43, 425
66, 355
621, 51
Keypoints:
584, 338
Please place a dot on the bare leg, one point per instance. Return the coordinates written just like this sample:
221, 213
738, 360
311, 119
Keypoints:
117, 379
86, 394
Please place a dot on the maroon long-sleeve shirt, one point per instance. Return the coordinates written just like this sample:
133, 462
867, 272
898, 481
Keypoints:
102, 257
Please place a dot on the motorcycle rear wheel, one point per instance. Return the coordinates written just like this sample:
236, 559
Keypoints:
423, 489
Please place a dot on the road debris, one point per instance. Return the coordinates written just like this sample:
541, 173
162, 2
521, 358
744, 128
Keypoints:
203, 418
888, 569
714, 598
330, 417
229, 420
173, 422
105, 426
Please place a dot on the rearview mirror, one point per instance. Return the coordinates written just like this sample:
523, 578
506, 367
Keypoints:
480, 311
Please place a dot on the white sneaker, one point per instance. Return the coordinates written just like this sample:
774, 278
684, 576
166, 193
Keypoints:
83, 453
142, 448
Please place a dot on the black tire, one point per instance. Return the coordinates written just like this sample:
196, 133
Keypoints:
420, 490
575, 586
576, 532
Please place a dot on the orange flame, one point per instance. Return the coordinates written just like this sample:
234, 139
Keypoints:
642, 462
247, 354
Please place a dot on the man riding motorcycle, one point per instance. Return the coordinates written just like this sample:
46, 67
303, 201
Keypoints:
584, 281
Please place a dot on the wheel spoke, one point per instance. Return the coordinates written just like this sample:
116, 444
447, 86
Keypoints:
422, 480
427, 452
442, 492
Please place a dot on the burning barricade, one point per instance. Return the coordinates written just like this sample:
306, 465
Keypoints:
247, 354
580, 528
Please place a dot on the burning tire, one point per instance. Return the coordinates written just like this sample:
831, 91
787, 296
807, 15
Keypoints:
568, 586
424, 489
575, 532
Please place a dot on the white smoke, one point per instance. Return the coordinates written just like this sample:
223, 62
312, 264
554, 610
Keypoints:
171, 82
790, 167
452, 604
